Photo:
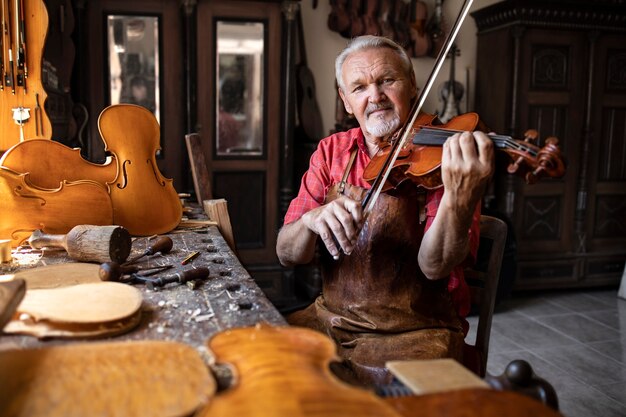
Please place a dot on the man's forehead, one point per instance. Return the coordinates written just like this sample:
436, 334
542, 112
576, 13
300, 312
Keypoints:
372, 62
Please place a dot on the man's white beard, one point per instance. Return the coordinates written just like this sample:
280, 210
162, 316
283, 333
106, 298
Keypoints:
380, 127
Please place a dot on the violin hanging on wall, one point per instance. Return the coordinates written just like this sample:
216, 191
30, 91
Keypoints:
22, 96
451, 91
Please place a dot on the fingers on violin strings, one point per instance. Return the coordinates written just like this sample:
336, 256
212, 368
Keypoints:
485, 148
452, 149
467, 144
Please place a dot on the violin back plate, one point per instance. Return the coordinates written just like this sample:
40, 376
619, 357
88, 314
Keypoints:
25, 207
144, 202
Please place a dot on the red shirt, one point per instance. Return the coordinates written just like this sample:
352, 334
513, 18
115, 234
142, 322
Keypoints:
327, 167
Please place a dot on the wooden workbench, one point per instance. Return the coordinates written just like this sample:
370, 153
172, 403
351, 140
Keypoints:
229, 298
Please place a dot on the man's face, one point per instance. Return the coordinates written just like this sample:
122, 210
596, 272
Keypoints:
377, 91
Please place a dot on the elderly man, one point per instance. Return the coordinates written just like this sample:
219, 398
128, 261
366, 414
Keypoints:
396, 290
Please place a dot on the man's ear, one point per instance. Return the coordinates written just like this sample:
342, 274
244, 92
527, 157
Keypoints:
414, 84
346, 105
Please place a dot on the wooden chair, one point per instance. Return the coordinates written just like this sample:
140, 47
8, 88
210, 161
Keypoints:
482, 279
215, 209
199, 168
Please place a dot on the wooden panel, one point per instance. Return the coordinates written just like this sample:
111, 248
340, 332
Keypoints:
612, 155
542, 218
547, 273
610, 216
247, 209
606, 267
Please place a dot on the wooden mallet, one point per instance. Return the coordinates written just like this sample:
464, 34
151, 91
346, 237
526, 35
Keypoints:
88, 243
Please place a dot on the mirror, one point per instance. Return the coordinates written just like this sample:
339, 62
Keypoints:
133, 57
240, 86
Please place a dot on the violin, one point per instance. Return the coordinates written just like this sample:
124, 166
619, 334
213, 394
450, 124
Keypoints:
420, 41
416, 153
339, 17
420, 160
144, 201
370, 19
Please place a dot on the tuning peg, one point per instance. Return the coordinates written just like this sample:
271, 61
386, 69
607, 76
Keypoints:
531, 136
552, 140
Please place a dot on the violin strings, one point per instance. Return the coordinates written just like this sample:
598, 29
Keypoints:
434, 136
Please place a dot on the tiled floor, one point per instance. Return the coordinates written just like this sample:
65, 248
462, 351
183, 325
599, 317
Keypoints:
574, 339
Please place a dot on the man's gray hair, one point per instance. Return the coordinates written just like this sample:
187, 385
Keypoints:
361, 43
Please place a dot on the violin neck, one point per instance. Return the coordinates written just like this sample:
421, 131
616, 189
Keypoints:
432, 136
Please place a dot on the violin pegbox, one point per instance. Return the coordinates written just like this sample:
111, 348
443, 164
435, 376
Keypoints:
549, 160
538, 162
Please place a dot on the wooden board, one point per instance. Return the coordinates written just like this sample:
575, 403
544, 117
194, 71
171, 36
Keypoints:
11, 293
437, 375
97, 379
47, 329
61, 275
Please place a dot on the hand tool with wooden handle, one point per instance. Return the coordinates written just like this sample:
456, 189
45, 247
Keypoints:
112, 271
179, 277
88, 243
163, 244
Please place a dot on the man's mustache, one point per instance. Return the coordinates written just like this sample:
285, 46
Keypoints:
371, 108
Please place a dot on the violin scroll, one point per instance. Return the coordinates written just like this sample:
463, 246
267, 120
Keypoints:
538, 162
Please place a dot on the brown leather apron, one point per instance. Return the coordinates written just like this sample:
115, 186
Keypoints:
376, 303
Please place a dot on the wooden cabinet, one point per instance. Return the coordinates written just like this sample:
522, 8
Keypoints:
559, 67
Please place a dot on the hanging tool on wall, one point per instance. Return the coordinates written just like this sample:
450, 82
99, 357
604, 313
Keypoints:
20, 116
10, 78
20, 39
2, 48
38, 119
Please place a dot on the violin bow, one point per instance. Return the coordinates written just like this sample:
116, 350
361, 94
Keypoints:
372, 195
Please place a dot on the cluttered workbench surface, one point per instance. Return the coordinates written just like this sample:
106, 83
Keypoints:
189, 312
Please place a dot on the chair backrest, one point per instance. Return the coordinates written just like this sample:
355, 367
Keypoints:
199, 168
482, 280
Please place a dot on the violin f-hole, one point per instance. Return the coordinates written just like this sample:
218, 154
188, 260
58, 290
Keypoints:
124, 175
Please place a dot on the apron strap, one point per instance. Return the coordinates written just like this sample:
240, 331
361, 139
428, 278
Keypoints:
342, 183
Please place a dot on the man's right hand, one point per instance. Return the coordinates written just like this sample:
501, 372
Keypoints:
337, 223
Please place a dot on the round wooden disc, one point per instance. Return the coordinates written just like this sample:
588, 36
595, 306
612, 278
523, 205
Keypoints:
83, 303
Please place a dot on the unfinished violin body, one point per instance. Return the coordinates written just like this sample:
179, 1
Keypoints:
25, 207
144, 201
283, 371
49, 163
